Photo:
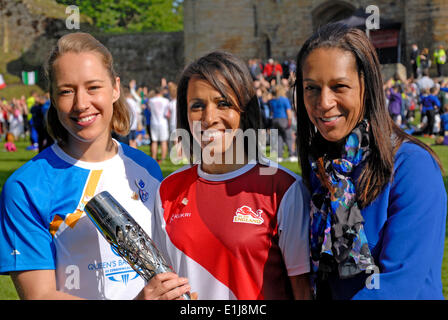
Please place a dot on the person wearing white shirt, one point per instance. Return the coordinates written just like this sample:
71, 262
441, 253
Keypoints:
134, 107
160, 113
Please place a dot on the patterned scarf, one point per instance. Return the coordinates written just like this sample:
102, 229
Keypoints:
338, 239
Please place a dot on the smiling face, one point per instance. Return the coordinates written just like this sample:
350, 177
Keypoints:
332, 92
83, 96
211, 117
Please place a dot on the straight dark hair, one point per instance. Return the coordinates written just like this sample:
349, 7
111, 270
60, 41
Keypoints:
228, 75
387, 137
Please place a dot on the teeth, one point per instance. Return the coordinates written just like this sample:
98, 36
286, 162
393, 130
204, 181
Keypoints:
330, 119
211, 134
86, 119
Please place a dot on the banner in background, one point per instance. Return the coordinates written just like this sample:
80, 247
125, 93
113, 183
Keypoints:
29, 78
2, 82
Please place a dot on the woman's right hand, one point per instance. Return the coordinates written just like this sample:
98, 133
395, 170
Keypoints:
164, 286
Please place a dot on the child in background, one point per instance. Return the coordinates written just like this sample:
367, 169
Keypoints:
430, 105
9, 144
395, 102
443, 138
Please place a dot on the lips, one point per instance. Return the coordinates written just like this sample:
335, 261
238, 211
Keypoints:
329, 119
85, 120
210, 135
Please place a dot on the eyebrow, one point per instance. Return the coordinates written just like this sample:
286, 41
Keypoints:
87, 82
337, 79
217, 98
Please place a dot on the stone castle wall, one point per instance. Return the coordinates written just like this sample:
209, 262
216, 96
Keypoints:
253, 28
31, 33
248, 28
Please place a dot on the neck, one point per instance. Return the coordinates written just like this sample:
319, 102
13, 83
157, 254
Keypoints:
220, 168
225, 165
332, 150
97, 151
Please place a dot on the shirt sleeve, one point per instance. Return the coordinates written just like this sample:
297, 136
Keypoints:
25, 240
158, 228
414, 233
293, 224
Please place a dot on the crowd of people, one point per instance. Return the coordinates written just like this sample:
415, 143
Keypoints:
427, 95
24, 118
154, 116
273, 82
154, 113
154, 110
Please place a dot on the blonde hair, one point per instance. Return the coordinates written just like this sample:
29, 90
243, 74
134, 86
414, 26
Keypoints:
79, 42
279, 91
172, 90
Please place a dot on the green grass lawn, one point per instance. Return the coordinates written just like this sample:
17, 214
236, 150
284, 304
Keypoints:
9, 162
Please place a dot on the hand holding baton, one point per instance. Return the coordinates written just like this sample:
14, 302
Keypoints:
124, 234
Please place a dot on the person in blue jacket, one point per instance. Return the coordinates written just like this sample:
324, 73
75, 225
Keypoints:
378, 205
430, 105
395, 102
281, 115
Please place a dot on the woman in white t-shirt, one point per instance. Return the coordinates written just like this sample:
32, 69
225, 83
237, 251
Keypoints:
48, 245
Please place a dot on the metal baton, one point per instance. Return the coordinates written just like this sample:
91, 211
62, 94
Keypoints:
124, 234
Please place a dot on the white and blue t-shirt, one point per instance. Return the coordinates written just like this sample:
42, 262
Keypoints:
43, 224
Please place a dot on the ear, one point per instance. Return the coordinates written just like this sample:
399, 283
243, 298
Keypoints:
116, 90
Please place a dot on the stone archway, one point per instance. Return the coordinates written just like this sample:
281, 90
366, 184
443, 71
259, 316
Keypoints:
331, 11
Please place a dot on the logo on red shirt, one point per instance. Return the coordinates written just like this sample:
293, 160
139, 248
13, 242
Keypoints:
245, 214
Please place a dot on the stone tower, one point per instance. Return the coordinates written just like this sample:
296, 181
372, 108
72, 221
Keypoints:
277, 28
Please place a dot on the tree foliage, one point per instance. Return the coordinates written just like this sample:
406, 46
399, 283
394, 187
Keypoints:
132, 15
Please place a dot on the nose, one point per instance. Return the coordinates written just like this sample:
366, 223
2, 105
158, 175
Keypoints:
82, 100
327, 99
209, 116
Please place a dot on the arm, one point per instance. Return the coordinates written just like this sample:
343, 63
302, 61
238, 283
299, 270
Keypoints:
412, 238
288, 109
293, 220
41, 285
38, 285
132, 86
437, 102
301, 287
289, 115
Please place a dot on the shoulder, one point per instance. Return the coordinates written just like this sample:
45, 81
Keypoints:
410, 153
180, 175
143, 160
416, 172
34, 169
35, 179
177, 181
279, 176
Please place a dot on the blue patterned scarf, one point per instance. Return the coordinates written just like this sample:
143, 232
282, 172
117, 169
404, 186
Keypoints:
338, 241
